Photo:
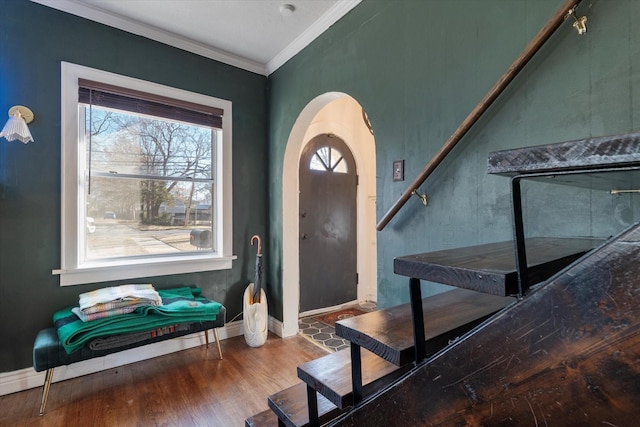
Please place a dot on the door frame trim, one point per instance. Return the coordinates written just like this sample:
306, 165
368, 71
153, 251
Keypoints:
352, 130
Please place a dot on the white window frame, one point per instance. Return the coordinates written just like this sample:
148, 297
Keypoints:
73, 270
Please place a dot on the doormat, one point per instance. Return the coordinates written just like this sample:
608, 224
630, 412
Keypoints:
331, 318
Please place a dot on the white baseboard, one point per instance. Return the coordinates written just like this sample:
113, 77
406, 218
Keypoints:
24, 379
275, 326
319, 311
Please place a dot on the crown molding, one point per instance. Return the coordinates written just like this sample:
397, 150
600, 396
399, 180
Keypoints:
135, 27
336, 12
92, 13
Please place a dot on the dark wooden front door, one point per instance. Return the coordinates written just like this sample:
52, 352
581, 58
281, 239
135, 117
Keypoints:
328, 252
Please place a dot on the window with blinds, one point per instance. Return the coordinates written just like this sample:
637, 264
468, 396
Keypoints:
150, 171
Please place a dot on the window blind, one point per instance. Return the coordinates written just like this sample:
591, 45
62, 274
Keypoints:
110, 96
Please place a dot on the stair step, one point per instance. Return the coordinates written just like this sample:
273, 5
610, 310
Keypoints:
389, 332
330, 375
266, 418
491, 268
607, 152
290, 406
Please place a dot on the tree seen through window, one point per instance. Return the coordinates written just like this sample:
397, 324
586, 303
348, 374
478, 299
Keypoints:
155, 175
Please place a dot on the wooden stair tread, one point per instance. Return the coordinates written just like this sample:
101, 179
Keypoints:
290, 406
617, 151
491, 268
266, 418
330, 375
389, 332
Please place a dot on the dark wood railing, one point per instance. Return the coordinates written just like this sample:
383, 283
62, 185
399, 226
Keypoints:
532, 48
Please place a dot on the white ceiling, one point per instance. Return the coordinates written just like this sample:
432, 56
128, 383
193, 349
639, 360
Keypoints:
250, 34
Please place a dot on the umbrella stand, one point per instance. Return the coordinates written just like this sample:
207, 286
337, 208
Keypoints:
255, 310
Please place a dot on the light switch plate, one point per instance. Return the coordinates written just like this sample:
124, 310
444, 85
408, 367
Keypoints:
398, 170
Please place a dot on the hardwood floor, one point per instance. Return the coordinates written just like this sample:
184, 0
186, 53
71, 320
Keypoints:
188, 388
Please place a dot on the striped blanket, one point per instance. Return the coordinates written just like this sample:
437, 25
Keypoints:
181, 305
116, 311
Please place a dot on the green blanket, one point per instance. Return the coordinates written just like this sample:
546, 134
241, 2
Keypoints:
179, 306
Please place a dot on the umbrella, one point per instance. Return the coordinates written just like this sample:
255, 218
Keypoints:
257, 281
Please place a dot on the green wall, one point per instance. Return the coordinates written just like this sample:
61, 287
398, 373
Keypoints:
418, 67
33, 41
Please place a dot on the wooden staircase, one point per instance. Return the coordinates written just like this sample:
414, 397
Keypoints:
391, 347
382, 351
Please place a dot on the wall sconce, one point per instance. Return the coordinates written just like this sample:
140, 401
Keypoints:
580, 24
16, 127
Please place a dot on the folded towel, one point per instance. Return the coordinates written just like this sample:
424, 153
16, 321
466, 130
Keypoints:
92, 302
115, 305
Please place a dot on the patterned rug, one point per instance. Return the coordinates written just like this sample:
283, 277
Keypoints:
320, 329
331, 318
321, 335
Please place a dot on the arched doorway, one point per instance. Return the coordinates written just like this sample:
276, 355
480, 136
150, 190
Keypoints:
339, 114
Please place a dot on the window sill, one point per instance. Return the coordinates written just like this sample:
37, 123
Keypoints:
129, 269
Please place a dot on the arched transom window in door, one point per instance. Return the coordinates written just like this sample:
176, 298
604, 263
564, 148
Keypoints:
328, 159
